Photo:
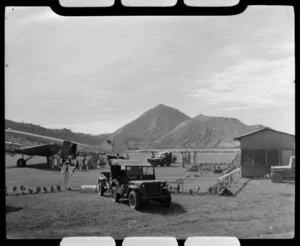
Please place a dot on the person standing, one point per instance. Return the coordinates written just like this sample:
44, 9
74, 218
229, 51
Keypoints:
101, 160
98, 162
55, 161
104, 160
195, 157
78, 157
82, 161
153, 155
66, 170
87, 162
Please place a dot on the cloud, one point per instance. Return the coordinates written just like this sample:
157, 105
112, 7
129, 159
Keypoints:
73, 71
96, 127
251, 82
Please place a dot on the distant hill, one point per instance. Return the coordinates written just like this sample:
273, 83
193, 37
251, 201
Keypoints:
65, 134
205, 132
151, 125
160, 127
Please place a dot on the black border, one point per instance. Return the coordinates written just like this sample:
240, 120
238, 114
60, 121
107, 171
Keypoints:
179, 9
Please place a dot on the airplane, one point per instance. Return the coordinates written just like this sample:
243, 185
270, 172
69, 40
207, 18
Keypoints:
112, 147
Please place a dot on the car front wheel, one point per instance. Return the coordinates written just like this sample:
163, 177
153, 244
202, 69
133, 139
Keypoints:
114, 195
134, 200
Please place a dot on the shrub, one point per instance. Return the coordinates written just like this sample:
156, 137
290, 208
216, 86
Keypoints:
22, 189
38, 190
58, 188
45, 189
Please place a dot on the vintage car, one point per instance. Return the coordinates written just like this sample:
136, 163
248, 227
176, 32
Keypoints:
280, 173
135, 182
162, 159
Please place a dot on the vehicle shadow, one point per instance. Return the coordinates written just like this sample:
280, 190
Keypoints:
292, 182
154, 207
157, 208
10, 209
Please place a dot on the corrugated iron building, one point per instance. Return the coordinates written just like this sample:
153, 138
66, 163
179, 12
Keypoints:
264, 148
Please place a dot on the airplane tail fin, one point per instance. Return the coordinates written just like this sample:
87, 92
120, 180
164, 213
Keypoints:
118, 144
113, 145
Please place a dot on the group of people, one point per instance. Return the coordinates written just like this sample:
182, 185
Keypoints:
82, 161
78, 162
187, 157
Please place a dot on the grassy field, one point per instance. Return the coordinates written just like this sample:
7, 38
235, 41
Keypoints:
36, 175
249, 215
262, 209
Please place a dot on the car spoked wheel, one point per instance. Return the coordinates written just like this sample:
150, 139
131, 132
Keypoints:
134, 200
276, 177
114, 195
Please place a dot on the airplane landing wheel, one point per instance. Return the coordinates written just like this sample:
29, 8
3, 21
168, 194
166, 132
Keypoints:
21, 163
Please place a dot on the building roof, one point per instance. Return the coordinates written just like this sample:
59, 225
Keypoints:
260, 130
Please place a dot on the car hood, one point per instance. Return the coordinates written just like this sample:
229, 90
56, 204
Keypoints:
139, 182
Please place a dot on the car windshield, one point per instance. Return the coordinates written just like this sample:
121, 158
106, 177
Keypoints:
140, 173
293, 162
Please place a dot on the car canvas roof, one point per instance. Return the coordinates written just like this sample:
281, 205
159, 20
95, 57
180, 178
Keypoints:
124, 163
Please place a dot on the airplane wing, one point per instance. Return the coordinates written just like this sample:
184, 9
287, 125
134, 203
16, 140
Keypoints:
39, 150
44, 138
45, 150
113, 145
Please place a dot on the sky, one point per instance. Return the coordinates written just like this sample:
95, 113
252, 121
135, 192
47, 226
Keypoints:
96, 74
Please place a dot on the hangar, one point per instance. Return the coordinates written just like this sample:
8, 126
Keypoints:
264, 148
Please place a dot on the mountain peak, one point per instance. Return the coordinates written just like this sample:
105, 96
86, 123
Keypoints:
203, 117
163, 107
204, 131
154, 123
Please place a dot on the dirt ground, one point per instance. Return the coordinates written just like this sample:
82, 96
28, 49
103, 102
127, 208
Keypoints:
261, 210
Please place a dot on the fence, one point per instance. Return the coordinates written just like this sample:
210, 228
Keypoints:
226, 180
212, 185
